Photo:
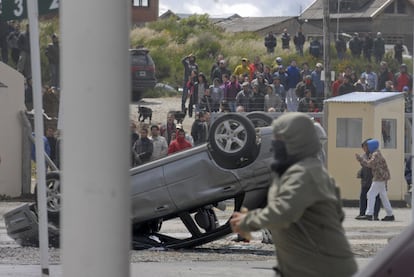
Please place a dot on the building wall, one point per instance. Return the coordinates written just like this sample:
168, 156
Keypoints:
392, 26
11, 103
342, 164
395, 157
291, 25
395, 27
141, 15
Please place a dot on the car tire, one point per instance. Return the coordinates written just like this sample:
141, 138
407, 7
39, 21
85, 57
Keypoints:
260, 119
232, 139
53, 197
136, 96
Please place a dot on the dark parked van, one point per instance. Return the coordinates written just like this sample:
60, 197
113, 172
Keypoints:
142, 72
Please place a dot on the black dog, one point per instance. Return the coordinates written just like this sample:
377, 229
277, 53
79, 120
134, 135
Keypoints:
179, 116
144, 113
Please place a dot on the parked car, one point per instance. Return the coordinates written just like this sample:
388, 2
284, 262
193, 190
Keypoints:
233, 166
142, 72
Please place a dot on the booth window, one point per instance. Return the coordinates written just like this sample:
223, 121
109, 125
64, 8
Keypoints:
389, 133
348, 132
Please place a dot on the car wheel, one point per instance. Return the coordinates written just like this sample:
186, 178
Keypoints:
53, 197
136, 96
260, 119
232, 140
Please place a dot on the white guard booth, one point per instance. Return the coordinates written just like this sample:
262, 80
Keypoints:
11, 103
350, 119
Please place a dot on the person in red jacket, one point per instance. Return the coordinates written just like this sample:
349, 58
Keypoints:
402, 78
179, 144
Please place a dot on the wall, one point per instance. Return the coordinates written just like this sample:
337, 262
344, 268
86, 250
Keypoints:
395, 157
391, 26
11, 102
141, 15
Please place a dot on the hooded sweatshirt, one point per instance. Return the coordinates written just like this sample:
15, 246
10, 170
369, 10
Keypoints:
178, 144
303, 211
376, 162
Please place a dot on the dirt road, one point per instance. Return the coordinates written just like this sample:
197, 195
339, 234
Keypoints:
160, 108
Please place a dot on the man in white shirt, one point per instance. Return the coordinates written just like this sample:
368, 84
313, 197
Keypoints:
159, 143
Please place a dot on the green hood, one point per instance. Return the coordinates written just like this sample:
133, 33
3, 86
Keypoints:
299, 134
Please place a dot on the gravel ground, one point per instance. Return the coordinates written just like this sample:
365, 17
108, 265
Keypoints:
160, 108
366, 239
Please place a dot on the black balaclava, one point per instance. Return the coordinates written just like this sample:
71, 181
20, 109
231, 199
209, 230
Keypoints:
281, 159
299, 140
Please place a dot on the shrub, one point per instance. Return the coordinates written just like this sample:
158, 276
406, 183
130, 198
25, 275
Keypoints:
169, 40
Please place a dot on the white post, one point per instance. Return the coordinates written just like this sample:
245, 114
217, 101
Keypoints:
95, 147
412, 138
32, 10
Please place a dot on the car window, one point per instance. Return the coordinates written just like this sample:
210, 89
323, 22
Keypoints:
139, 60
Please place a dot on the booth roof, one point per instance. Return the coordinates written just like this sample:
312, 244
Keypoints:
365, 97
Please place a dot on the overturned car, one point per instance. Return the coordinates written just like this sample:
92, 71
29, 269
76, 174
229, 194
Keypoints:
232, 168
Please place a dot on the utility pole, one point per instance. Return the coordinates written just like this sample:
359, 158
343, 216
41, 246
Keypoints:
96, 89
337, 20
32, 7
326, 48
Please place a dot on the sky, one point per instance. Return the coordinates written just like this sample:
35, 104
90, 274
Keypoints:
244, 8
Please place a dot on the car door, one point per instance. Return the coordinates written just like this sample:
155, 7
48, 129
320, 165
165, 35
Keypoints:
150, 197
197, 180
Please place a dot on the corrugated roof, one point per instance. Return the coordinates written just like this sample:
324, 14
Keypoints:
250, 24
372, 9
365, 97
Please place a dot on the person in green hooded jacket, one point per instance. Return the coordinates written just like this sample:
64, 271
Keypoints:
303, 211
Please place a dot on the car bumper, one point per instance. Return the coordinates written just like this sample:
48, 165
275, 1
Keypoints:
22, 225
143, 84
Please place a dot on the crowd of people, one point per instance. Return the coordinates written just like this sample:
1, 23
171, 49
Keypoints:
166, 139
15, 43
282, 86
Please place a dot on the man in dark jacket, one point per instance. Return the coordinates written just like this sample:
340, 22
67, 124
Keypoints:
315, 48
398, 51
4, 32
340, 46
199, 129
12, 39
220, 71
367, 46
303, 210
384, 75
346, 86
355, 45
52, 54
142, 148
299, 40
306, 83
189, 63
23, 42
270, 42
285, 39
379, 47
